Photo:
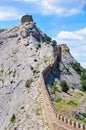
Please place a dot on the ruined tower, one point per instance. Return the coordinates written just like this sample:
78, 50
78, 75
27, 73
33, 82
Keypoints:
26, 18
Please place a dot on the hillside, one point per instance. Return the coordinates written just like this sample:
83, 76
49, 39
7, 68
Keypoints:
22, 58
25, 51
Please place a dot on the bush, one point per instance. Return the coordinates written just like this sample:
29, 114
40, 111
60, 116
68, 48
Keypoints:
83, 84
39, 45
28, 83
71, 102
54, 43
77, 68
3, 81
83, 76
53, 92
12, 120
58, 99
64, 86
72, 87
84, 115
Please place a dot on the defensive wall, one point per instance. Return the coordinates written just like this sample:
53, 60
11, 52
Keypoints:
55, 120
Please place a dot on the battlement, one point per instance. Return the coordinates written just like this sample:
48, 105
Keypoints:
26, 18
64, 47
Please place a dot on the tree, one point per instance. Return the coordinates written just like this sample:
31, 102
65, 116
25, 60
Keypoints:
83, 84
77, 67
54, 43
64, 86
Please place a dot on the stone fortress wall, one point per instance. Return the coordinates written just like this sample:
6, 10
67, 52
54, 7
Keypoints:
56, 121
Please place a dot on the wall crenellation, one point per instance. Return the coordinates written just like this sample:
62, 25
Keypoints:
56, 121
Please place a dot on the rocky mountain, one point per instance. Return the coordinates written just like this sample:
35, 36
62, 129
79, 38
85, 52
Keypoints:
25, 51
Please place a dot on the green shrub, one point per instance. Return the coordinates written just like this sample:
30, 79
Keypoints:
12, 120
53, 92
54, 43
28, 83
1, 71
39, 45
83, 121
83, 84
55, 88
83, 76
58, 99
72, 87
71, 102
64, 86
38, 112
84, 115
3, 81
77, 68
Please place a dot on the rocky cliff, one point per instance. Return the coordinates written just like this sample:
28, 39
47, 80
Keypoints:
25, 51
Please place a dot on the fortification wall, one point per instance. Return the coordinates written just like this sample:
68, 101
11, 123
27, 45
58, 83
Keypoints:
50, 69
57, 52
64, 47
56, 121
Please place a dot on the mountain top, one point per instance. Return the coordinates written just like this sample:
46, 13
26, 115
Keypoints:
25, 51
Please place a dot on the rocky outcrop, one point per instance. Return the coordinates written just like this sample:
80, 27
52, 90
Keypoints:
67, 72
18, 63
24, 54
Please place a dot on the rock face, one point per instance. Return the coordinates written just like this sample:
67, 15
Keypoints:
24, 54
21, 58
67, 72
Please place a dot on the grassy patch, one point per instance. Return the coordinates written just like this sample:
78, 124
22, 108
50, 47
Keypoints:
83, 121
78, 95
28, 83
38, 111
72, 102
58, 99
84, 115
72, 87
64, 106
1, 71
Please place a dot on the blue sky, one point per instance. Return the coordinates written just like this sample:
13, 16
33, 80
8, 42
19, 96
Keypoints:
64, 20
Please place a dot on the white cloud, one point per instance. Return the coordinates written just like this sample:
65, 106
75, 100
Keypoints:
83, 64
75, 35
8, 13
69, 35
59, 7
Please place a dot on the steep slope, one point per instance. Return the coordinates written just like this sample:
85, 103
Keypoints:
25, 51
22, 58
67, 71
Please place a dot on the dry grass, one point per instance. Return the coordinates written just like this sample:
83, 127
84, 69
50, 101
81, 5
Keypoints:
68, 104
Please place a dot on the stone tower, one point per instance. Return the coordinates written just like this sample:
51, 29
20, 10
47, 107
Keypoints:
26, 18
